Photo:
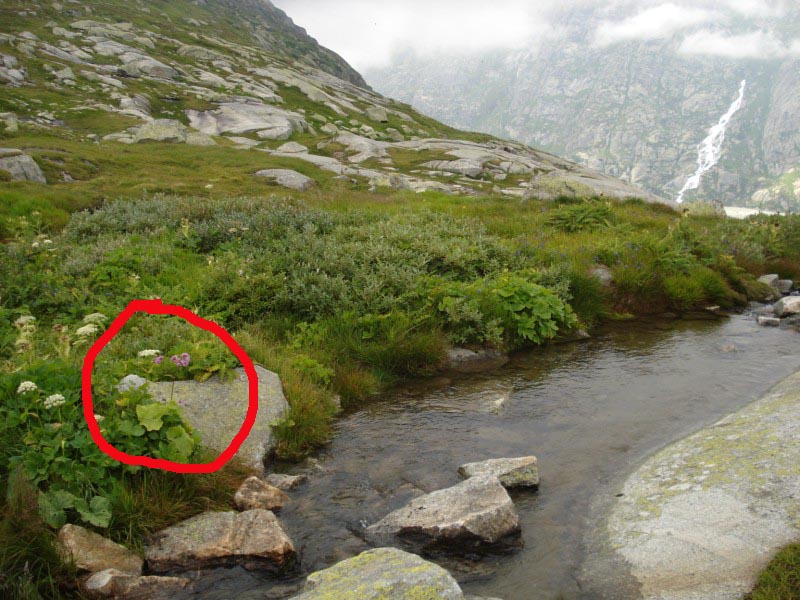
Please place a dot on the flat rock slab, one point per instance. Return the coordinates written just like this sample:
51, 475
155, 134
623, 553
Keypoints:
769, 321
288, 179
465, 360
473, 516
216, 409
92, 552
122, 586
703, 517
380, 574
252, 539
512, 473
243, 117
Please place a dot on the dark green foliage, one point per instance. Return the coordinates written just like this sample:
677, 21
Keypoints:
586, 216
31, 565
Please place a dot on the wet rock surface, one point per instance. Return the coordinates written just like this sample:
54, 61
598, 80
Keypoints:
703, 517
787, 307
512, 473
123, 586
474, 516
257, 494
253, 539
285, 482
465, 360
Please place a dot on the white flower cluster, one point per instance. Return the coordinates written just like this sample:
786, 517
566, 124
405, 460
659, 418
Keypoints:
27, 327
54, 401
87, 330
96, 318
26, 386
41, 241
25, 322
99, 418
148, 353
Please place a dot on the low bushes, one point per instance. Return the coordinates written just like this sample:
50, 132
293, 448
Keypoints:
340, 301
508, 311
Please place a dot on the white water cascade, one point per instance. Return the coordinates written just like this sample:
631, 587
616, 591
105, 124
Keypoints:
710, 149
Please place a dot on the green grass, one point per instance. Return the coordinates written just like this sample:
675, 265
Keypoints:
31, 566
781, 579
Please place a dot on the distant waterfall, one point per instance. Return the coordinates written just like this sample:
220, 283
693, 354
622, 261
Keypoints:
710, 149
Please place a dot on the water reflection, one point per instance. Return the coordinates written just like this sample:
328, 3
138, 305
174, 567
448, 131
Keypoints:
590, 411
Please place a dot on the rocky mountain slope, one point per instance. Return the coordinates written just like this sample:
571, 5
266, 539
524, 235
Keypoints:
635, 110
89, 88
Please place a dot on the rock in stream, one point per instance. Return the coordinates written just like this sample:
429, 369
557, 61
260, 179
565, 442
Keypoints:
474, 516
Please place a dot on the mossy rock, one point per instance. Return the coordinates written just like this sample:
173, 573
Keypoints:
382, 574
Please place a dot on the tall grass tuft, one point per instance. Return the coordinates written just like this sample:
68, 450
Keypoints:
781, 579
31, 565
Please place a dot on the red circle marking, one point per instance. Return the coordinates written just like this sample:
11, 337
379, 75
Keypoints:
156, 307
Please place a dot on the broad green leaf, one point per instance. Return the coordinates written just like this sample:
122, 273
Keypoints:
151, 415
180, 441
53, 506
131, 428
97, 512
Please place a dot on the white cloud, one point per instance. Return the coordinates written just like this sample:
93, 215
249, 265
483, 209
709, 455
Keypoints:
756, 8
658, 22
370, 33
756, 44
367, 33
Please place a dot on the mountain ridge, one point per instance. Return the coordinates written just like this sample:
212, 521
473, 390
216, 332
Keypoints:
86, 85
635, 110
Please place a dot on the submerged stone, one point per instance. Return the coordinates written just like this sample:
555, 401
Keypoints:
769, 321
255, 493
285, 482
513, 473
465, 360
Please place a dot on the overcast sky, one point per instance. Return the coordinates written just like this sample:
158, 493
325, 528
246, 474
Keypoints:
367, 33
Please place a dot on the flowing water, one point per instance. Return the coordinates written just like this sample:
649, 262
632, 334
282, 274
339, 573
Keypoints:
710, 149
591, 411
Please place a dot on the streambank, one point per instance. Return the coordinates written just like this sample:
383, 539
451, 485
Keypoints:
701, 518
591, 412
